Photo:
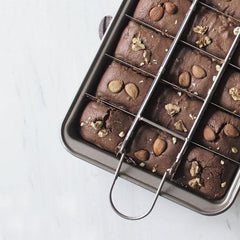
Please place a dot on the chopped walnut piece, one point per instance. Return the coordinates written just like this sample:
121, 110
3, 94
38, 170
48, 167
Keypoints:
195, 183
172, 109
204, 41
137, 44
235, 93
147, 56
179, 125
200, 29
97, 125
195, 169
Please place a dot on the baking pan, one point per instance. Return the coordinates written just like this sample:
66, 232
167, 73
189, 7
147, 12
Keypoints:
105, 160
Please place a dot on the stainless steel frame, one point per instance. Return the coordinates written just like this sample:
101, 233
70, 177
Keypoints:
107, 161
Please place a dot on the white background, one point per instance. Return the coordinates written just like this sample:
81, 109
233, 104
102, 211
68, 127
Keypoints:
46, 47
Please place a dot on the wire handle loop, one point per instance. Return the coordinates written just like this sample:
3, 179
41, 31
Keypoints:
155, 198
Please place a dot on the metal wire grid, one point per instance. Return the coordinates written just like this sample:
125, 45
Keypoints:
158, 79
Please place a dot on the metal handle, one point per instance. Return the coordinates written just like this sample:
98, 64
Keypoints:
155, 198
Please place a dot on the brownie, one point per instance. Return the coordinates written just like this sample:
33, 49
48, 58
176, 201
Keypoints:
164, 15
153, 149
236, 56
142, 47
220, 131
104, 126
230, 7
173, 110
228, 93
212, 32
199, 69
124, 87
205, 173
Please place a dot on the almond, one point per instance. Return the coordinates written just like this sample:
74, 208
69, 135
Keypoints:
159, 146
208, 134
156, 13
142, 155
170, 7
115, 86
198, 72
184, 79
132, 90
231, 131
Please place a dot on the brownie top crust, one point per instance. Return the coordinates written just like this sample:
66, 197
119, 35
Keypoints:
164, 15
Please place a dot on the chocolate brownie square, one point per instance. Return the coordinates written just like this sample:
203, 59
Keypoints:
164, 15
212, 32
123, 87
142, 47
230, 7
192, 70
220, 131
153, 149
173, 110
228, 93
205, 173
104, 126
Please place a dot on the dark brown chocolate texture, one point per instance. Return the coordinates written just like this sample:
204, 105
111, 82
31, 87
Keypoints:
142, 47
114, 83
173, 109
205, 173
217, 122
211, 32
104, 126
173, 14
161, 149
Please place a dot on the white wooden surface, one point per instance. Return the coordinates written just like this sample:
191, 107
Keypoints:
46, 47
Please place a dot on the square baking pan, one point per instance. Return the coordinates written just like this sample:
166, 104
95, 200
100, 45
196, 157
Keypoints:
107, 161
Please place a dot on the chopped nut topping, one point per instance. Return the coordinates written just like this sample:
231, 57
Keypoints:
222, 162
121, 134
200, 29
172, 109
195, 183
142, 164
195, 169
147, 56
223, 185
174, 139
141, 64
137, 44
97, 125
234, 150
192, 117
236, 31
103, 133
179, 125
179, 94
235, 93
204, 41
82, 124
154, 170
218, 67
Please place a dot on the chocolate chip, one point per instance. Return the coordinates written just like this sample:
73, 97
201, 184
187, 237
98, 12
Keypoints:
104, 25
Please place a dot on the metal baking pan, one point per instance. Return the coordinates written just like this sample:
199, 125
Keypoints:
105, 160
